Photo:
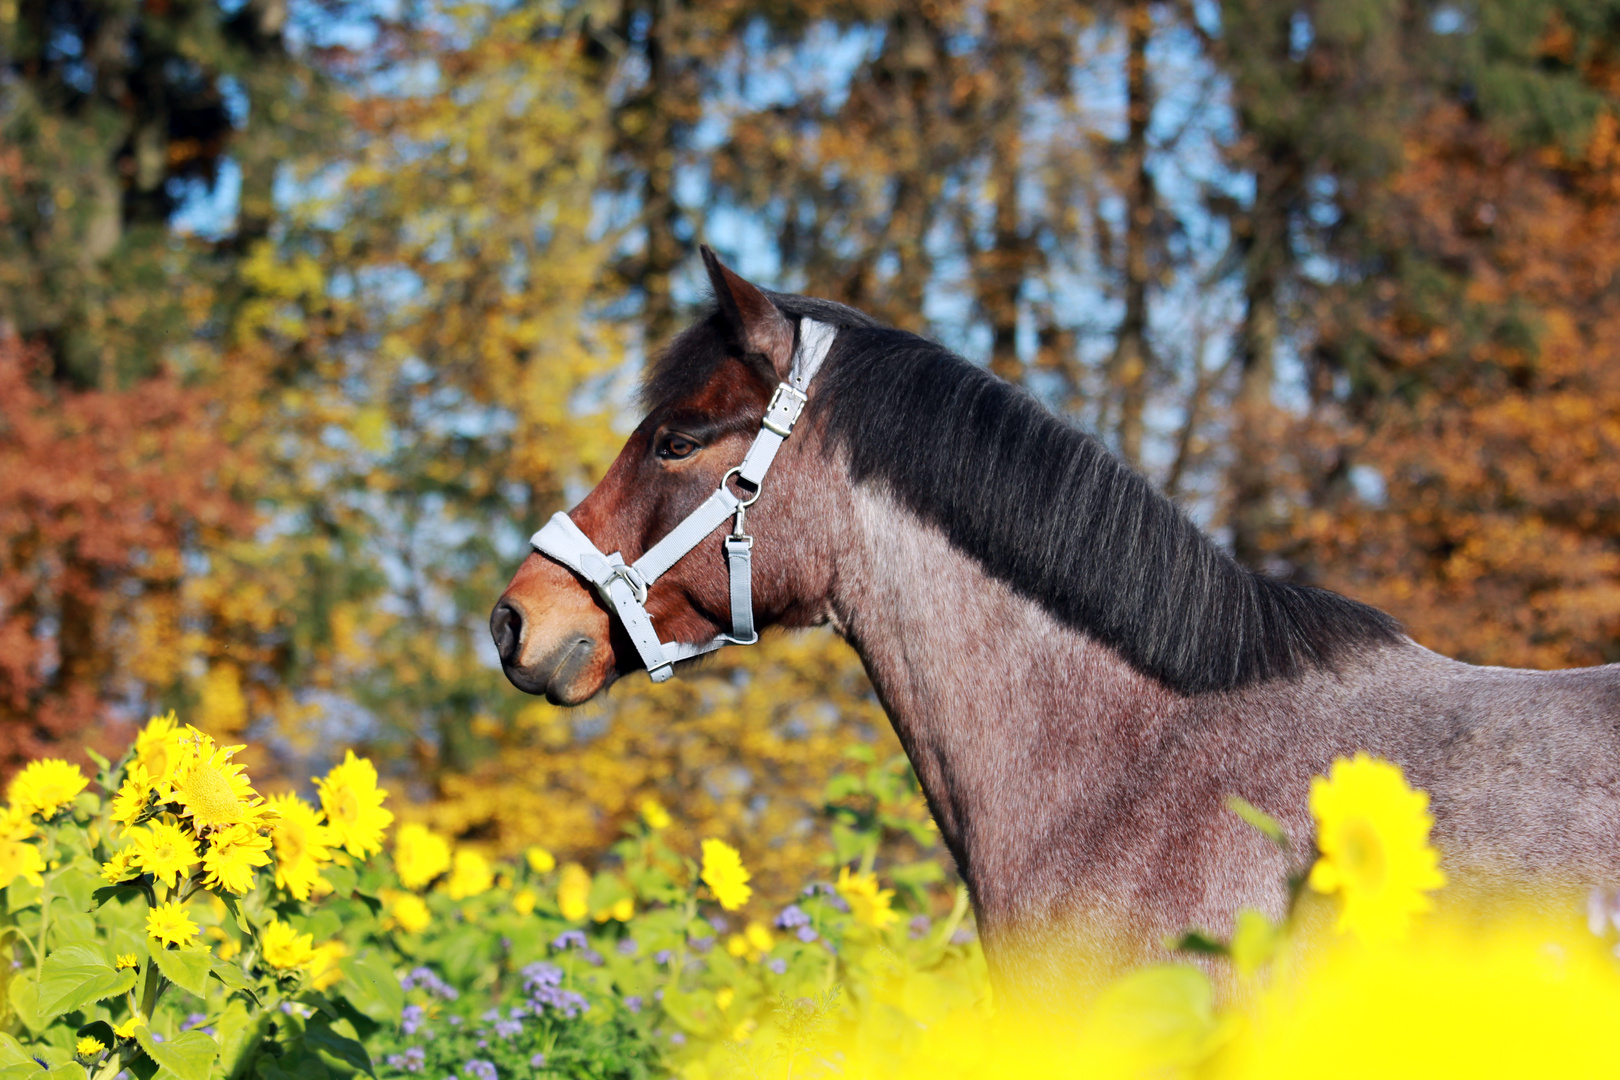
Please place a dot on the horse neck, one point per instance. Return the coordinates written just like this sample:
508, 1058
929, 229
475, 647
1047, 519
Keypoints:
1007, 715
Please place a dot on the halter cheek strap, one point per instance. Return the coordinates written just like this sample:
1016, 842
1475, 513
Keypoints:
623, 587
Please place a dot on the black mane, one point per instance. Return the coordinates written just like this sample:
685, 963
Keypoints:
1048, 510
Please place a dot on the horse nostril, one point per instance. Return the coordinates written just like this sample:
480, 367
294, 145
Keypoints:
506, 627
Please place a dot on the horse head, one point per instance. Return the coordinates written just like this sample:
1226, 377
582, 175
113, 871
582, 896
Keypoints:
707, 397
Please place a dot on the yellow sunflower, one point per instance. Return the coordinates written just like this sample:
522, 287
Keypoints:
126, 1030
135, 794
1373, 833
301, 843
232, 854
723, 872
540, 860
89, 1046
160, 746
123, 865
471, 876
285, 947
324, 971
16, 824
170, 924
868, 903
212, 790
408, 911
163, 851
354, 805
19, 859
420, 855
45, 787
574, 892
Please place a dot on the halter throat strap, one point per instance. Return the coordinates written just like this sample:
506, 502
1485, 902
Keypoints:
623, 587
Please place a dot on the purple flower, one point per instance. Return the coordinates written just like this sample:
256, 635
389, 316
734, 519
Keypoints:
920, 925
411, 1019
628, 947
192, 1020
791, 918
415, 1059
662, 956
703, 944
778, 965
719, 923
592, 957
538, 1061
805, 934
962, 936
569, 939
425, 978
540, 974
480, 1069
677, 1038
508, 1028
492, 1014
633, 1003
453, 1021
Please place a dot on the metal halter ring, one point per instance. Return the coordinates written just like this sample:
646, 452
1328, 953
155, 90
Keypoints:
736, 470
632, 577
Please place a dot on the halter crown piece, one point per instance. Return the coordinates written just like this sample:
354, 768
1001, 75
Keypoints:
623, 587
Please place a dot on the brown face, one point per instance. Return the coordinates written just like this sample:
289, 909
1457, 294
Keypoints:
554, 633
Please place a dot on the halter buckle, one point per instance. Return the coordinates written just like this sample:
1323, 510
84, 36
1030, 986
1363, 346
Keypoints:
783, 411
631, 577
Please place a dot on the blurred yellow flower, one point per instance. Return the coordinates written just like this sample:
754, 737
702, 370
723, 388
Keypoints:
1254, 941
523, 902
16, 824
354, 805
89, 1046
226, 946
760, 937
285, 948
231, 856
868, 903
45, 787
211, 789
470, 875
1373, 833
324, 971
170, 924
654, 814
420, 855
540, 860
19, 859
158, 748
737, 945
574, 892
300, 842
135, 794
126, 1030
724, 996
163, 851
409, 912
127, 960
723, 873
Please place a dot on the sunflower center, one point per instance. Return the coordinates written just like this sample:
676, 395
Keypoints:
290, 841
1363, 855
211, 798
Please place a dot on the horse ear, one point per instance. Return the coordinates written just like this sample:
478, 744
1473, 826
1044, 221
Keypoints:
759, 326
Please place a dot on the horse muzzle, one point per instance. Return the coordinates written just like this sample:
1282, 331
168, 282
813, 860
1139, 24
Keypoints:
552, 637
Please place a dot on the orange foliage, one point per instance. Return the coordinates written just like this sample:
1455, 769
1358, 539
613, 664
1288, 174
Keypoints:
1498, 535
102, 493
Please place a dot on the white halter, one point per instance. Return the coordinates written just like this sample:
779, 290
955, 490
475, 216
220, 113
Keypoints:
624, 587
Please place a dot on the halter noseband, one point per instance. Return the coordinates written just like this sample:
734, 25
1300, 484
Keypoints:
623, 587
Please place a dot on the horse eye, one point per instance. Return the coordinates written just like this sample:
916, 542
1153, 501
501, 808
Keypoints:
675, 447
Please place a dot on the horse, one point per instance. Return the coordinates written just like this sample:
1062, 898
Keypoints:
1079, 676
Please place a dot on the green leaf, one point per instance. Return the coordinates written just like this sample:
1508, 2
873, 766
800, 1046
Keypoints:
236, 913
375, 987
114, 892
1196, 941
1259, 819
77, 886
343, 879
241, 1030
27, 1070
321, 1035
76, 975
189, 1056
68, 1070
233, 977
24, 996
187, 968
12, 1052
